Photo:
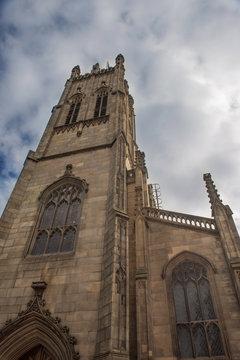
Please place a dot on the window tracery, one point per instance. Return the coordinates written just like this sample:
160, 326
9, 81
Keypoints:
197, 326
57, 227
101, 103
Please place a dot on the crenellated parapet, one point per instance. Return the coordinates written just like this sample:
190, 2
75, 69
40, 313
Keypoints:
96, 70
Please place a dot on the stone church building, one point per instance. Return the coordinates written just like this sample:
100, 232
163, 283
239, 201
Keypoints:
91, 267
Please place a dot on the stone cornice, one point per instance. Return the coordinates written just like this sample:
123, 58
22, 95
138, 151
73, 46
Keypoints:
73, 152
88, 75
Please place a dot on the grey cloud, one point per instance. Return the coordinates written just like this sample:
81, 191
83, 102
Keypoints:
183, 71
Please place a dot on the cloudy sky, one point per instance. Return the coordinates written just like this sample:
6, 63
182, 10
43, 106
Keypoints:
182, 60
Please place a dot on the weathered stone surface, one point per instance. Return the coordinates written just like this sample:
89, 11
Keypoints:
113, 291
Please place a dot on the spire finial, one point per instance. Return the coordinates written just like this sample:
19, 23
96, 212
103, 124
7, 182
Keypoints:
211, 189
76, 72
95, 68
119, 59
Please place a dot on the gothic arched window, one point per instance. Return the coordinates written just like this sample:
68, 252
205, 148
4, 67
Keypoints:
56, 231
73, 110
101, 104
197, 327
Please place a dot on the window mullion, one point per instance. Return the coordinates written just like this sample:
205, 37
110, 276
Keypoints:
192, 340
48, 237
68, 210
101, 104
189, 316
200, 299
203, 315
186, 299
54, 216
61, 241
205, 324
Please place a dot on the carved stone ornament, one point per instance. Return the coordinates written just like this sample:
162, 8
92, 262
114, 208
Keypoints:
238, 275
95, 68
119, 59
36, 316
140, 160
141, 284
75, 72
39, 287
68, 170
120, 277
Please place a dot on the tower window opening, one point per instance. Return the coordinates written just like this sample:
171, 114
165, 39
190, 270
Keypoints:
73, 112
101, 104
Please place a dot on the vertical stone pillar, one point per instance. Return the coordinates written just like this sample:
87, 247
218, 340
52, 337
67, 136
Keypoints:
228, 234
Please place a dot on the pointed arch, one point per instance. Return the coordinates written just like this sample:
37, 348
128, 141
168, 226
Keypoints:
31, 330
186, 255
66, 179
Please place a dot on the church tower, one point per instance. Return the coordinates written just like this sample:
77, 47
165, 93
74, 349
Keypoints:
64, 231
91, 268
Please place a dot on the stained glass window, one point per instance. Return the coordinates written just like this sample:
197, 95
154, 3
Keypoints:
40, 243
59, 220
73, 211
198, 328
61, 213
68, 240
54, 242
101, 104
48, 216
